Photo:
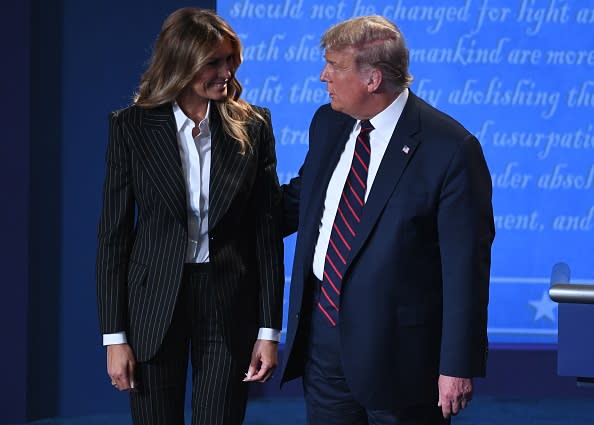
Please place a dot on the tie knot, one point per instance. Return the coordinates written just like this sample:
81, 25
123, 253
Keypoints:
366, 125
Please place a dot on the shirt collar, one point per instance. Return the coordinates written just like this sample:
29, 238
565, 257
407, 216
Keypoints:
385, 122
181, 119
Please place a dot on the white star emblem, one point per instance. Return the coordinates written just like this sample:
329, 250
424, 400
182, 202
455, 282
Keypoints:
405, 149
544, 307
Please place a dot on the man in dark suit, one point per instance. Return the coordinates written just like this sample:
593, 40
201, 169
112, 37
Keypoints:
190, 252
389, 289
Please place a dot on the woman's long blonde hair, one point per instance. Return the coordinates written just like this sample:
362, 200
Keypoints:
185, 44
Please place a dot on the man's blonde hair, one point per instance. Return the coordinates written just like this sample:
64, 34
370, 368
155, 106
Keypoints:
378, 43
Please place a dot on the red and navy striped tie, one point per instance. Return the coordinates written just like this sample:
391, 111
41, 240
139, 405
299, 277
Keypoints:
346, 224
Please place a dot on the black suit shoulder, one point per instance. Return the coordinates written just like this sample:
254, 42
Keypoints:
139, 116
129, 113
262, 112
436, 121
328, 121
260, 126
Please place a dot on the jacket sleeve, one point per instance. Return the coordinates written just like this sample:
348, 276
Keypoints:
466, 232
269, 243
115, 233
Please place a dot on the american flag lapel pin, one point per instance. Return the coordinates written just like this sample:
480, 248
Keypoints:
405, 149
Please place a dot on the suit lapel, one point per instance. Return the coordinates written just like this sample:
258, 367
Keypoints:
227, 168
331, 149
399, 152
156, 143
331, 142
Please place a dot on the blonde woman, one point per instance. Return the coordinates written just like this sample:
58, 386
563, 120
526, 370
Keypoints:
190, 254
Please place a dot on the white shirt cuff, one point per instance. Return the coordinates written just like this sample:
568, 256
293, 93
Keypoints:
120, 337
269, 334
117, 338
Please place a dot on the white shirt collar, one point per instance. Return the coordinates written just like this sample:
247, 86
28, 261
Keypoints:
181, 119
385, 122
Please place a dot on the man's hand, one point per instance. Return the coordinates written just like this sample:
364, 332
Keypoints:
264, 361
454, 394
120, 366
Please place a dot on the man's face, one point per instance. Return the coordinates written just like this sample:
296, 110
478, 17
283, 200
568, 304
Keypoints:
346, 86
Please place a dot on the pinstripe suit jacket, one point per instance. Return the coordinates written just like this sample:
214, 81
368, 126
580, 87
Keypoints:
143, 229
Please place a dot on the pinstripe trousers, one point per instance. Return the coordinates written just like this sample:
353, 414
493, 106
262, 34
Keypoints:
219, 396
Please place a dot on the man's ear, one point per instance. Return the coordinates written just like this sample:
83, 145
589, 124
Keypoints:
375, 80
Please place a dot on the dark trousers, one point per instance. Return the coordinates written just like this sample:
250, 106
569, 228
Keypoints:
327, 395
219, 396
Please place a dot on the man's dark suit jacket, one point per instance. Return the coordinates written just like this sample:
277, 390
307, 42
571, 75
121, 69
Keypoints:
143, 230
415, 293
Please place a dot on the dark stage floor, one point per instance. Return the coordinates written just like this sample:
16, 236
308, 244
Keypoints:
483, 411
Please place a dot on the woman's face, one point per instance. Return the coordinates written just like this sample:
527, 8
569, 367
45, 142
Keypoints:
210, 83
